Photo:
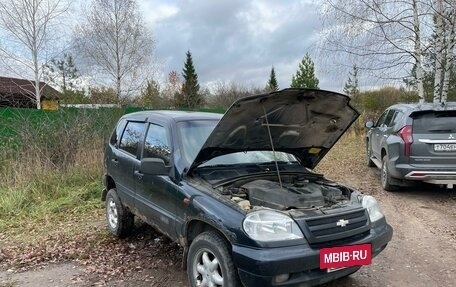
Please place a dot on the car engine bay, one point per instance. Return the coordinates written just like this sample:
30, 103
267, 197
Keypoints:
293, 192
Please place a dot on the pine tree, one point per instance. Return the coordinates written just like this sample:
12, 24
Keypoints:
272, 85
150, 96
305, 76
351, 87
63, 72
190, 89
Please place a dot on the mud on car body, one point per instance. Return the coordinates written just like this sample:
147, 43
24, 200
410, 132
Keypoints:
237, 191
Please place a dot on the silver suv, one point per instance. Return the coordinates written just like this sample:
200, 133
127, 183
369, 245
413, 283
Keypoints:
414, 142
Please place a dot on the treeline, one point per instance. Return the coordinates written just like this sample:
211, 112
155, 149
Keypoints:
177, 92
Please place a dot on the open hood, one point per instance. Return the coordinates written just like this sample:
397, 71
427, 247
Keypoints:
302, 122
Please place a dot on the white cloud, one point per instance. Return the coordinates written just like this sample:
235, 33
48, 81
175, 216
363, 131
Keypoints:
155, 12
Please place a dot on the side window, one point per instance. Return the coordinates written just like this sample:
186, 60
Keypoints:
157, 144
382, 118
389, 118
115, 137
131, 137
397, 117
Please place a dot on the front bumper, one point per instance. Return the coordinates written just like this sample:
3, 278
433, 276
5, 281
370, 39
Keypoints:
258, 267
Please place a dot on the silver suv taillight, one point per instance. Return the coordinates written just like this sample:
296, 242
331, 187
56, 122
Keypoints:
406, 134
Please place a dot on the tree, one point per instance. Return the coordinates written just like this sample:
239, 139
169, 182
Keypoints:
351, 87
114, 40
172, 88
272, 85
191, 97
389, 38
28, 29
444, 43
305, 76
63, 73
150, 96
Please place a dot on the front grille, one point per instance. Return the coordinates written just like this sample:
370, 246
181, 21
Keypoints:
325, 228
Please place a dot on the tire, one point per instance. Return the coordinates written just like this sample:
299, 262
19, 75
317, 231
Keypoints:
370, 163
209, 262
120, 220
385, 176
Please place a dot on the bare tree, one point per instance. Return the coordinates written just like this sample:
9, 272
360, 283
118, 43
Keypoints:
389, 38
445, 32
114, 39
28, 29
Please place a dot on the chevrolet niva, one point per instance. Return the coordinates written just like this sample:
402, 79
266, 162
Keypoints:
237, 191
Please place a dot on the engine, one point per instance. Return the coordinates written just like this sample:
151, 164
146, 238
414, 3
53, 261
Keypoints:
298, 194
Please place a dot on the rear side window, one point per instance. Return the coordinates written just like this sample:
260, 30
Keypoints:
115, 137
435, 122
131, 137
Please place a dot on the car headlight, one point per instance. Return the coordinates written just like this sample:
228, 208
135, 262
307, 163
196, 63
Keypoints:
373, 208
268, 225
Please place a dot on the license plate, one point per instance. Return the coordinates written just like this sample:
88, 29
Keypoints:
444, 147
345, 256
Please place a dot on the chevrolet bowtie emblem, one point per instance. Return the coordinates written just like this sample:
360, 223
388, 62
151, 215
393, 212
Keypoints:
342, 223
451, 137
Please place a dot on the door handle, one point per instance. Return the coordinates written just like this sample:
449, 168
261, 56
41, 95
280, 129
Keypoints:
115, 161
139, 174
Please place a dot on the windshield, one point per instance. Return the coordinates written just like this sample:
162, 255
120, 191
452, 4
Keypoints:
193, 135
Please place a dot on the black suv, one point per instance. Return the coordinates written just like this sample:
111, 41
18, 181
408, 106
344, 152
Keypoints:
236, 192
414, 142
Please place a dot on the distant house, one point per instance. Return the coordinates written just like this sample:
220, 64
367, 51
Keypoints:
20, 93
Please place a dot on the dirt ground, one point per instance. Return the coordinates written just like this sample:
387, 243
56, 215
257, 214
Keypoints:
422, 252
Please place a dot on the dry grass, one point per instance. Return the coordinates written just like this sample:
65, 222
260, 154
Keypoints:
345, 160
50, 174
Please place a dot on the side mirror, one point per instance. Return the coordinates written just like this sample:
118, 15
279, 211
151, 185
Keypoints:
153, 166
369, 124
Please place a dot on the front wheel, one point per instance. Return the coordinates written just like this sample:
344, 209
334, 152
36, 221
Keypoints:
209, 262
385, 176
120, 220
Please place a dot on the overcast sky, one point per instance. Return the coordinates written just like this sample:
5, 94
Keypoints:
233, 40
237, 40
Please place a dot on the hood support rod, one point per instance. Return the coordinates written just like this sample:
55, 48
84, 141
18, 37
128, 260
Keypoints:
272, 146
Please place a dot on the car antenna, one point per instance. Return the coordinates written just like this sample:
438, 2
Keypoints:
272, 146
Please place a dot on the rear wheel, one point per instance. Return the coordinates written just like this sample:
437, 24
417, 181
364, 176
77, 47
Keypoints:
385, 176
120, 220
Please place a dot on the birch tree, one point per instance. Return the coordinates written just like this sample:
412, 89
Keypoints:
384, 36
445, 40
114, 41
29, 35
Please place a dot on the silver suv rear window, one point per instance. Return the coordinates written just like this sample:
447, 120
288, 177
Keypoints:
434, 122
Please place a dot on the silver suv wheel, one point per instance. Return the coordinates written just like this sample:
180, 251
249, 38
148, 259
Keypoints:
112, 213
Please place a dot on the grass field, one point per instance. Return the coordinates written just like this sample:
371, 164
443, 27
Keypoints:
51, 163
